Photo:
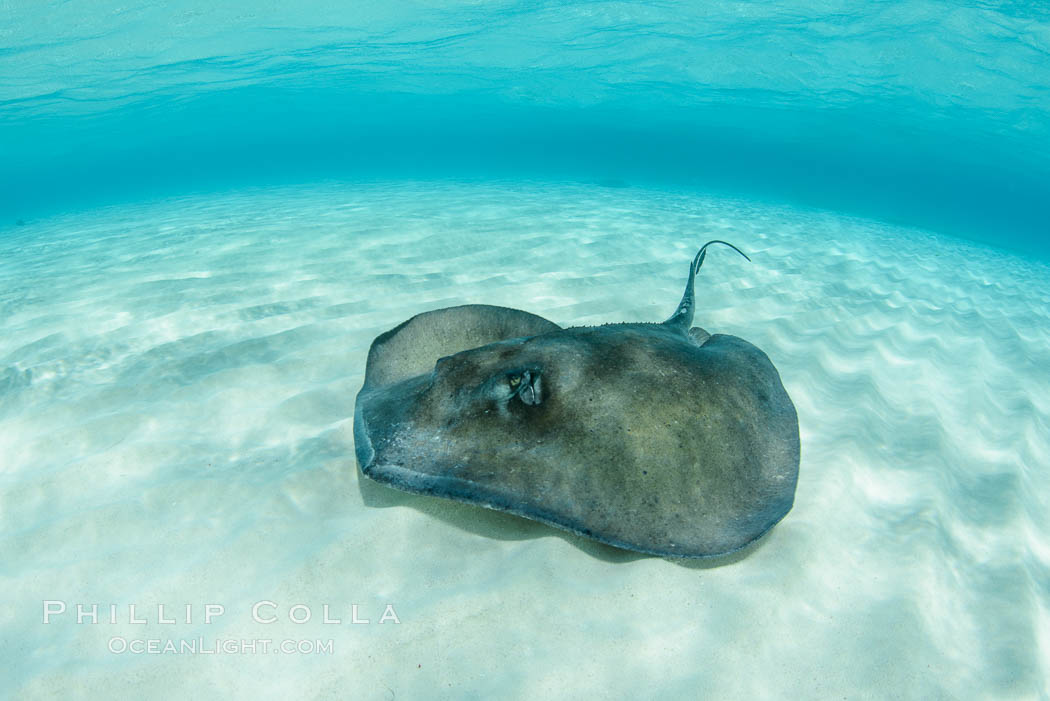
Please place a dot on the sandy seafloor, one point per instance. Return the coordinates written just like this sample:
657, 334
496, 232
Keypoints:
176, 395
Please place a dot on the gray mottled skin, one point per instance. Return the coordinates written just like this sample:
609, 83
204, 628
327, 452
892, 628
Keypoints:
658, 438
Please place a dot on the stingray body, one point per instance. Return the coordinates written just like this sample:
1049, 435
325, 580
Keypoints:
658, 438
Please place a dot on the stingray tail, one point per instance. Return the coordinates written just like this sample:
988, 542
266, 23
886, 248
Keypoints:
683, 316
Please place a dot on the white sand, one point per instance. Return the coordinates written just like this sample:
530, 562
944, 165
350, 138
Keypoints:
176, 393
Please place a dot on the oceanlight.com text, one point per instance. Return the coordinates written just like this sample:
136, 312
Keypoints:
230, 646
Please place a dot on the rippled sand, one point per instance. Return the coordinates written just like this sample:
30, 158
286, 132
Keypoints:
176, 393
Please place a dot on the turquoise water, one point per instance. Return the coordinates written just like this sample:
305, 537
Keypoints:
207, 214
928, 113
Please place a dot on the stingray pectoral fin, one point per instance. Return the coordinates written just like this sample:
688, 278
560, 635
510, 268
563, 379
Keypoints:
752, 458
411, 348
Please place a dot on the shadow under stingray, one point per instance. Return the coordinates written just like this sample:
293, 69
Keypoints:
503, 526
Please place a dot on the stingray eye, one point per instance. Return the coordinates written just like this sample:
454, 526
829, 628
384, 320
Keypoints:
526, 386
522, 384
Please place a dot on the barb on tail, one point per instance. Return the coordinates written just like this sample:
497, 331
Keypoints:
683, 316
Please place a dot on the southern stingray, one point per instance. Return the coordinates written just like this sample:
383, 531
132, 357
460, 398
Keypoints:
655, 437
